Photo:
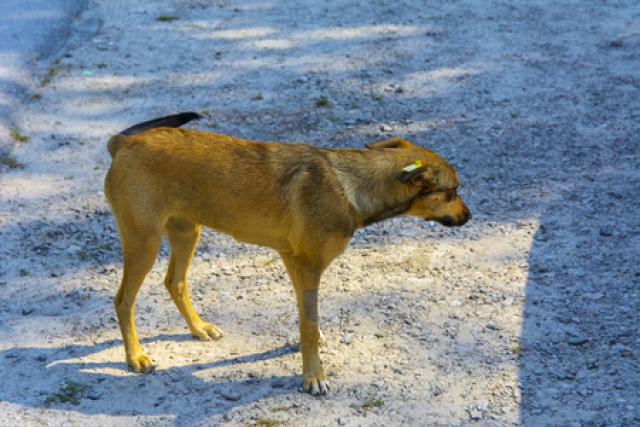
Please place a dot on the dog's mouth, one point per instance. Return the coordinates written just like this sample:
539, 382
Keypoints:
449, 221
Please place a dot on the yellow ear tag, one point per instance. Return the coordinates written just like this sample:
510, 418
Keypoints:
417, 164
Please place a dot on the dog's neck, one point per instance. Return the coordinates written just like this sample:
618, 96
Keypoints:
389, 212
371, 186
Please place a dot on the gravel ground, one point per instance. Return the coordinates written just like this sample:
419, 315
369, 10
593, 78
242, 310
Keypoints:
526, 316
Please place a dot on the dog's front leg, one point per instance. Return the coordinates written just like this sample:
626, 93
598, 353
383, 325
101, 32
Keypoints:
306, 281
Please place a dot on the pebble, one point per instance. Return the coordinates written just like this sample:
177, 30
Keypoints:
231, 396
348, 337
277, 383
578, 341
475, 415
94, 395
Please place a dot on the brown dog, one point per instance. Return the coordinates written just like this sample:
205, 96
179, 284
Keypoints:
303, 201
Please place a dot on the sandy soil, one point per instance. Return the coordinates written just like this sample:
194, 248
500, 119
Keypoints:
526, 316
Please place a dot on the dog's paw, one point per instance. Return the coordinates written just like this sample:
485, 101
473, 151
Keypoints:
317, 386
141, 364
207, 332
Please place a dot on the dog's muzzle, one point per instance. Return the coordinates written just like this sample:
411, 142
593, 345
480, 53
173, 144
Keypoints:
449, 221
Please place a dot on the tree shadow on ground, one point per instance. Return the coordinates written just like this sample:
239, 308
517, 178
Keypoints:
70, 380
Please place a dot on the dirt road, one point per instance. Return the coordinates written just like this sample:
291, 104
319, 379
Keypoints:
526, 316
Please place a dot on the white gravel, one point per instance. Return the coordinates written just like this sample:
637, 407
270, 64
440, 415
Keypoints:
526, 316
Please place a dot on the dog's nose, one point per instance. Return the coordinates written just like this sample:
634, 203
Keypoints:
449, 221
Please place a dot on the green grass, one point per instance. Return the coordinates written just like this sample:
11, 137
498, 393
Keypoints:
51, 73
17, 135
69, 393
12, 163
268, 422
167, 18
369, 402
323, 101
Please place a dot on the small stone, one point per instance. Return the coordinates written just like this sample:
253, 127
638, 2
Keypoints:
348, 337
594, 296
508, 301
94, 395
231, 395
343, 421
578, 341
475, 415
277, 383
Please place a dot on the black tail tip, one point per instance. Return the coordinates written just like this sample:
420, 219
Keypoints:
189, 115
174, 121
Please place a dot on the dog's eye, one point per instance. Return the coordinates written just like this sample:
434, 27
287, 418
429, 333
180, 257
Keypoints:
450, 196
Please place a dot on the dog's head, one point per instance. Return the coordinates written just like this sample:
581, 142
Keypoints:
436, 181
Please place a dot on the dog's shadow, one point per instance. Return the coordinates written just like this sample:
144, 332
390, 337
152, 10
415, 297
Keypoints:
67, 379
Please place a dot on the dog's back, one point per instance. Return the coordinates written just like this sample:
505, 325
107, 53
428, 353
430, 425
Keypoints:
173, 121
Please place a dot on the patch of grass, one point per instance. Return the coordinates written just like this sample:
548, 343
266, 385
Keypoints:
323, 101
281, 408
23, 272
268, 422
51, 73
71, 392
369, 402
167, 18
11, 162
102, 65
258, 97
17, 135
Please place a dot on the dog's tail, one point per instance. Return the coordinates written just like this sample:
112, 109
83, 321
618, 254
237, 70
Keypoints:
173, 121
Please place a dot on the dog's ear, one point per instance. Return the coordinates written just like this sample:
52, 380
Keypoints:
389, 143
423, 176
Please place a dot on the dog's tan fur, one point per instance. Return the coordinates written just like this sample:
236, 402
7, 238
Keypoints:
301, 200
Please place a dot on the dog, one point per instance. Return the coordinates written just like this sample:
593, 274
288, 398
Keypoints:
304, 201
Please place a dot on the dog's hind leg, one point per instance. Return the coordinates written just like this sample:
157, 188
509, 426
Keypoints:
139, 252
183, 237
